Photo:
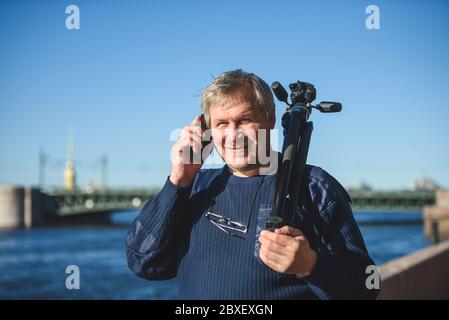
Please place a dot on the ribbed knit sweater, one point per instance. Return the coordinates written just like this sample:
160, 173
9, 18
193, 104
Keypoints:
171, 237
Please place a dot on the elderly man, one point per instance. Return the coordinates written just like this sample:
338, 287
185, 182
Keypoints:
205, 227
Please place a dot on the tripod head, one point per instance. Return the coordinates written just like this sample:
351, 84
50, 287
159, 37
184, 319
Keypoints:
297, 133
303, 93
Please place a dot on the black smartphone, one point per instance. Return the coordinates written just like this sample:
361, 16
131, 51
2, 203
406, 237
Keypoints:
204, 127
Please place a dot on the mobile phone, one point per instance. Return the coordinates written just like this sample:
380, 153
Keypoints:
205, 143
204, 127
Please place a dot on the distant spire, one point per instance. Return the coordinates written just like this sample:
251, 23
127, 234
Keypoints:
42, 164
70, 145
69, 172
104, 166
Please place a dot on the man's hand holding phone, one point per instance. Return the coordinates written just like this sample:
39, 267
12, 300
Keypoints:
187, 153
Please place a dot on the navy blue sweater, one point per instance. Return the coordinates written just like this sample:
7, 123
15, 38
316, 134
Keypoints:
171, 237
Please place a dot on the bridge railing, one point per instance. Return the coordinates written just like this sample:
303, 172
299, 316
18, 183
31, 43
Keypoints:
395, 200
78, 202
71, 203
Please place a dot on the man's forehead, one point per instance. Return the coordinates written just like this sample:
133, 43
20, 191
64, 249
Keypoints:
232, 108
232, 102
238, 99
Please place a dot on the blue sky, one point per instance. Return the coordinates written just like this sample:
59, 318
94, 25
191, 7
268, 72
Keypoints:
135, 69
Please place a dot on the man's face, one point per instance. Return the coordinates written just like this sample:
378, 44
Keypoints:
239, 129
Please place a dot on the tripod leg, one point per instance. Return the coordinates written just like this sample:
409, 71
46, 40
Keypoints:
300, 164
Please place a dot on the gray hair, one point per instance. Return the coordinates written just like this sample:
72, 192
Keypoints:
230, 82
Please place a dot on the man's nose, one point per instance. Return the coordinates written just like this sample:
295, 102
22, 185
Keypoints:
235, 135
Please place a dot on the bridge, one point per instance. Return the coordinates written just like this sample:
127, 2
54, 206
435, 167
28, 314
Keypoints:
102, 201
21, 206
391, 200
73, 203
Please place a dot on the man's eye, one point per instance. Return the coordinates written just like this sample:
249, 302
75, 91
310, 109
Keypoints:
246, 120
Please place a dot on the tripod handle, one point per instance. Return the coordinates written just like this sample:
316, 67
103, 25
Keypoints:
328, 106
279, 91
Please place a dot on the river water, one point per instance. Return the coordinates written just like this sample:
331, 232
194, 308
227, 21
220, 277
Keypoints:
33, 262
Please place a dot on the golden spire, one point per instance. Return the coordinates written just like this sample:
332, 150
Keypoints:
69, 172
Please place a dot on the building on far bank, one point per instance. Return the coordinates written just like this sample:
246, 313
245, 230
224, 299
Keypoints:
426, 184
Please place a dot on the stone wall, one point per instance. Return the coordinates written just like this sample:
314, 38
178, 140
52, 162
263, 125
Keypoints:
421, 275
